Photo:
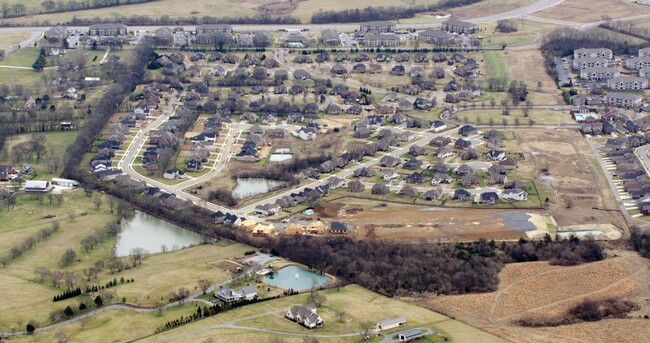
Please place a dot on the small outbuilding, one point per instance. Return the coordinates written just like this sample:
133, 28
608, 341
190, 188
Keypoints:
391, 323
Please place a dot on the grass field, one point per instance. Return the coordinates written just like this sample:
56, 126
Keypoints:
494, 65
586, 11
540, 116
528, 66
11, 38
356, 303
23, 297
56, 142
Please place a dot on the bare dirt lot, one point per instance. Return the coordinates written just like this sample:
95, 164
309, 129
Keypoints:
578, 190
537, 289
587, 11
382, 220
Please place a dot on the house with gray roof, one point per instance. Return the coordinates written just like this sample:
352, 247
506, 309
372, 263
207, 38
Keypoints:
627, 83
626, 100
305, 315
595, 53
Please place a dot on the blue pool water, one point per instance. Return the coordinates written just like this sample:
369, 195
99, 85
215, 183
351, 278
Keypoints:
296, 278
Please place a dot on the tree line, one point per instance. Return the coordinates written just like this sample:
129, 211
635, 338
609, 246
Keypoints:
384, 13
49, 6
563, 41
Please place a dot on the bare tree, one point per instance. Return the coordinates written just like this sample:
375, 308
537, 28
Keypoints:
42, 272
97, 201
67, 258
204, 285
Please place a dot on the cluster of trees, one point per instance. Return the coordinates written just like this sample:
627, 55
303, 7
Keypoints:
586, 311
67, 294
109, 103
205, 312
223, 196
506, 25
59, 278
67, 258
40, 62
518, 91
562, 41
29, 242
640, 241
564, 253
384, 13
286, 171
626, 27
100, 235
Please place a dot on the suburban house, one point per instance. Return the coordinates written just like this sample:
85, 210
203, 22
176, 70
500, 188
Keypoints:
467, 130
315, 228
381, 40
432, 194
108, 29
595, 53
266, 210
307, 133
626, 100
305, 315
627, 83
438, 126
377, 27
487, 198
174, 173
340, 228
515, 194
457, 26
599, 73
229, 295
496, 155
462, 195
588, 62
436, 37
390, 323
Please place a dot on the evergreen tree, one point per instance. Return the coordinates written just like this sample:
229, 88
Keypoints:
99, 301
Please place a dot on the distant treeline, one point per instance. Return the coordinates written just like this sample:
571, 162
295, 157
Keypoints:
384, 13
138, 20
562, 42
49, 6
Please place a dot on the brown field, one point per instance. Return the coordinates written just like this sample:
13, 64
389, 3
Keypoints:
490, 7
414, 222
587, 11
517, 66
537, 289
574, 178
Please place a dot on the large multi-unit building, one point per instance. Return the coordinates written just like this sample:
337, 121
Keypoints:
589, 62
214, 38
436, 37
381, 40
108, 29
377, 27
627, 83
638, 62
56, 34
645, 52
644, 72
208, 28
599, 73
330, 38
594, 53
457, 26
626, 100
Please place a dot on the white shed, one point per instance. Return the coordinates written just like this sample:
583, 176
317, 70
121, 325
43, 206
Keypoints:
391, 323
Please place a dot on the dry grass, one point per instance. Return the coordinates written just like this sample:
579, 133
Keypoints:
537, 289
518, 66
11, 38
586, 11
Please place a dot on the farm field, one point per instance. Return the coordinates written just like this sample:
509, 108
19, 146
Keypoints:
539, 290
586, 11
11, 38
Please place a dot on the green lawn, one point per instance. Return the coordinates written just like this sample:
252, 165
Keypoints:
56, 142
494, 65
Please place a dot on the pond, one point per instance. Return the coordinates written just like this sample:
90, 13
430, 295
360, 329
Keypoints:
296, 278
153, 235
249, 187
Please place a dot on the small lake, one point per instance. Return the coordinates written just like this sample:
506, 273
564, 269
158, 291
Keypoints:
296, 278
254, 186
151, 234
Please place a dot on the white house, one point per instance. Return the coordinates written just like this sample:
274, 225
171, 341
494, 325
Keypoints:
389, 175
32, 186
496, 155
307, 133
515, 194
64, 182
438, 126
305, 315
174, 173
